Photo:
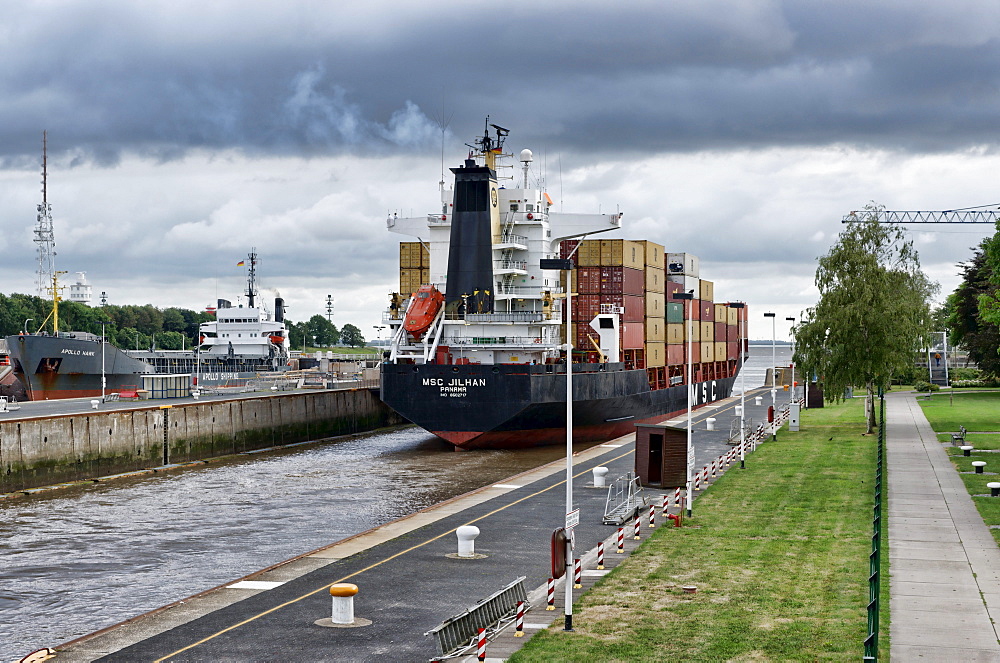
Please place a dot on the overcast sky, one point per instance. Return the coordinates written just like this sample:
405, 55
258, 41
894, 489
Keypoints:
182, 134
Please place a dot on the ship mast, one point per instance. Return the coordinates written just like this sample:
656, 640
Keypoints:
251, 277
44, 237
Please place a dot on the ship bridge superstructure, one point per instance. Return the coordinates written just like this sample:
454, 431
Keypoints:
526, 322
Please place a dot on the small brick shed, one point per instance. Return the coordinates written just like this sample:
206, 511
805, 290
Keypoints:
661, 455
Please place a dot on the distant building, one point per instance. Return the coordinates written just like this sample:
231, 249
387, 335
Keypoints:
81, 291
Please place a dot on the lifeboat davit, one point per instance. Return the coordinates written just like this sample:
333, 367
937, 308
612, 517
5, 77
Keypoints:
422, 310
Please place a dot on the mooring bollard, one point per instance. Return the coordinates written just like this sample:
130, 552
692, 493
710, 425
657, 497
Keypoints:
551, 594
481, 650
710, 423
577, 573
979, 465
758, 400
621, 540
967, 450
519, 621
343, 602
994, 488
599, 476
600, 555
467, 540
637, 526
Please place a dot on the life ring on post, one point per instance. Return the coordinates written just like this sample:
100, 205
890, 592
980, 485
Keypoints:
538, 340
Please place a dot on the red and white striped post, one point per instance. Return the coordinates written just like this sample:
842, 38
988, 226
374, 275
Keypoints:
519, 621
677, 496
481, 650
600, 555
577, 573
666, 504
652, 516
637, 526
715, 462
551, 594
621, 540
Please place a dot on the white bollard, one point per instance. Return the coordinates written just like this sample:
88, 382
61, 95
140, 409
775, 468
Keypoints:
94, 404
343, 602
467, 540
758, 400
599, 474
195, 394
739, 410
710, 423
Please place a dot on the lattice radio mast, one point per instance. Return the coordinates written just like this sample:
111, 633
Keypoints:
44, 237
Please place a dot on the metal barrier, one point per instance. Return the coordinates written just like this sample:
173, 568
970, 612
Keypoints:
457, 635
624, 499
874, 558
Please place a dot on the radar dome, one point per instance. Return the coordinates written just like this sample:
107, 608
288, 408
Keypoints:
526, 156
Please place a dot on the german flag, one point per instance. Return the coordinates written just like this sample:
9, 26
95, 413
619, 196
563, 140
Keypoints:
241, 263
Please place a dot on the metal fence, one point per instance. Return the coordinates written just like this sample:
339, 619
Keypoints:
874, 558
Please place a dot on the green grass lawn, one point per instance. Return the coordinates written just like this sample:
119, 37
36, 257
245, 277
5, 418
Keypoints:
778, 551
977, 412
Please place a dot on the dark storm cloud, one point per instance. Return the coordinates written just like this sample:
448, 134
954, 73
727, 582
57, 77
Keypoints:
306, 78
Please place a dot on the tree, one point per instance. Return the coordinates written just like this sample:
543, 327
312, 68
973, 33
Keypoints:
351, 335
873, 314
970, 310
323, 331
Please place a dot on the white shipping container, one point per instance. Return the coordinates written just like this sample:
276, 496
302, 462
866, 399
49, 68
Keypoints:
682, 263
687, 283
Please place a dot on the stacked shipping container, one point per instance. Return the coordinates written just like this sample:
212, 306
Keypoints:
414, 267
642, 279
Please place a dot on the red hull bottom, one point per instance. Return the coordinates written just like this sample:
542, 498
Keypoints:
540, 437
56, 394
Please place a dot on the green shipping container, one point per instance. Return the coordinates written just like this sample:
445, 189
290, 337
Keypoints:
675, 311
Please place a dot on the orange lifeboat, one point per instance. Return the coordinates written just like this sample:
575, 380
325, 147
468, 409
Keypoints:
422, 310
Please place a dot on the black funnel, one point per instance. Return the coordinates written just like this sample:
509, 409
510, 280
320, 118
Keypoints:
279, 309
470, 252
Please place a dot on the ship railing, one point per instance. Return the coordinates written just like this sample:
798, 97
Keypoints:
459, 635
625, 498
510, 264
502, 289
438, 219
519, 341
513, 316
9, 404
511, 238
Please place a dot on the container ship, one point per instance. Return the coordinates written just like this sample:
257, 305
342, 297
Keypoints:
482, 333
241, 343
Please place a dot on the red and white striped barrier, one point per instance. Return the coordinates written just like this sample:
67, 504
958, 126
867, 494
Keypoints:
519, 621
637, 526
551, 594
481, 650
652, 516
577, 573
677, 497
666, 504
621, 540
600, 555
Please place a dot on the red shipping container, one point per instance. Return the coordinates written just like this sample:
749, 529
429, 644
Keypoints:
732, 350
720, 332
634, 305
675, 355
633, 336
588, 280
695, 309
624, 280
707, 311
732, 332
585, 307
671, 288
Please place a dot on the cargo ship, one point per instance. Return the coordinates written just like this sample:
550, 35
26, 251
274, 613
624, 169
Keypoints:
482, 334
240, 344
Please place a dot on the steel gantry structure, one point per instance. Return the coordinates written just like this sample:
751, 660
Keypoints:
968, 215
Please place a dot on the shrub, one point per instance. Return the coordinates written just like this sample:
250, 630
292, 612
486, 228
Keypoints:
982, 382
925, 386
964, 373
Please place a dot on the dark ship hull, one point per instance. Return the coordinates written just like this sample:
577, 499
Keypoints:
52, 367
518, 406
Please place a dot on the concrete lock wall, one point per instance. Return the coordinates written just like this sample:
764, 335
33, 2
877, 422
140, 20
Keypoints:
44, 451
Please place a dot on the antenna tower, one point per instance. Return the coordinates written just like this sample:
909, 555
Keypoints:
44, 237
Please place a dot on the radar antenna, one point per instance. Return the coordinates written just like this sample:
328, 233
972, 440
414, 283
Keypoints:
488, 146
251, 277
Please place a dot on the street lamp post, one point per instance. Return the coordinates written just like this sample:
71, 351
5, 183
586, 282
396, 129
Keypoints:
791, 387
689, 296
774, 363
378, 331
739, 306
104, 382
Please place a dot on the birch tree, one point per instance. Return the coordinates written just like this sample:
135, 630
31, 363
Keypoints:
873, 315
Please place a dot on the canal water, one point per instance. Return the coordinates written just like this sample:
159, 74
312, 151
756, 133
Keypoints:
79, 559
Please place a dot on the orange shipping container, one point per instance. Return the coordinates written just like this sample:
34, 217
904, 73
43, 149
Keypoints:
633, 335
676, 355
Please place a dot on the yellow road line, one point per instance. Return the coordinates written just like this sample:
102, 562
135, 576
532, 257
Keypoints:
367, 568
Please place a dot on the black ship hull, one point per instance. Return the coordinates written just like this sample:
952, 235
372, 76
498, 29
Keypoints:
510, 406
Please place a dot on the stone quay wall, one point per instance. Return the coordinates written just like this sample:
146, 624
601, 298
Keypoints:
44, 451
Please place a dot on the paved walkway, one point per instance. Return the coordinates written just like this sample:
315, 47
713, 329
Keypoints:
944, 564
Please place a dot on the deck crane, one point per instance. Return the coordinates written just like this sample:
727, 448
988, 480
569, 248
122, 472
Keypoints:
967, 215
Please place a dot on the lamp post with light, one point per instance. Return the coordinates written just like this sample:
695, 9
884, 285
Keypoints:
791, 362
689, 296
739, 306
774, 362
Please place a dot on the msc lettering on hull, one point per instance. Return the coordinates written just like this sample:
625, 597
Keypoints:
703, 393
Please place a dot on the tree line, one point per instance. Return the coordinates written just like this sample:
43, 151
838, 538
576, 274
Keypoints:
141, 327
